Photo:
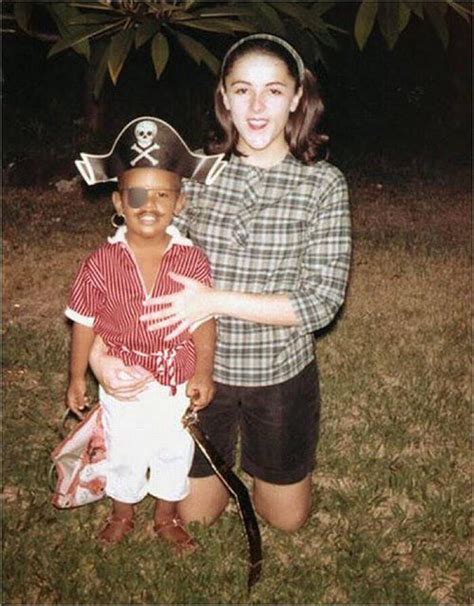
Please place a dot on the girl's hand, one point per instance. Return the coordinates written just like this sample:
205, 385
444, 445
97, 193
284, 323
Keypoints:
189, 305
201, 390
120, 381
76, 399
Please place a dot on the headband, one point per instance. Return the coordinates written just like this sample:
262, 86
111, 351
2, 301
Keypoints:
148, 142
271, 38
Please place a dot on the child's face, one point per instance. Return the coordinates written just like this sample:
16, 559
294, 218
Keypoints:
148, 198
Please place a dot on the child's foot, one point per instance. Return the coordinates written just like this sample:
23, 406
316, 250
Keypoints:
115, 530
172, 530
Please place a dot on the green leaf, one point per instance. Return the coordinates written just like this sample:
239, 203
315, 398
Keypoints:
436, 14
65, 15
325, 37
364, 23
460, 10
119, 49
403, 17
268, 18
225, 11
101, 70
310, 48
145, 31
22, 12
322, 6
198, 52
92, 19
188, 4
80, 37
221, 26
293, 10
389, 21
160, 53
415, 6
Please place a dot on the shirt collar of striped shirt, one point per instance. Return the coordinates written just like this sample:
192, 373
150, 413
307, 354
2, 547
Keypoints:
171, 230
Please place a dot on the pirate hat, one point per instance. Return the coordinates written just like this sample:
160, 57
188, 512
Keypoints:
148, 142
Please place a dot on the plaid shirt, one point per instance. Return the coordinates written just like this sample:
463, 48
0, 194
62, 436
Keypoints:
280, 230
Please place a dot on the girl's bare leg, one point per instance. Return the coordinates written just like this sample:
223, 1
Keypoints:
206, 501
286, 506
283, 506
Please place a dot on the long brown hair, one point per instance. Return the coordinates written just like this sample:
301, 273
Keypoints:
300, 131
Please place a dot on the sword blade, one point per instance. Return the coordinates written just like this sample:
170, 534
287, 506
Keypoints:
237, 489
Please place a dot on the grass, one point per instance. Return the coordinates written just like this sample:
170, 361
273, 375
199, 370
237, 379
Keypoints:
392, 490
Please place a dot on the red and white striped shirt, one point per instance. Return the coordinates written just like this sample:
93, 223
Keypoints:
108, 294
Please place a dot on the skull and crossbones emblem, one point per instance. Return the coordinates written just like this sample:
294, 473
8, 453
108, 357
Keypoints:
145, 131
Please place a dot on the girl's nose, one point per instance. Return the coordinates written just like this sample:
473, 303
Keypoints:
257, 103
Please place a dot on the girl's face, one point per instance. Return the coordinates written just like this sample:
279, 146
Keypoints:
148, 198
260, 94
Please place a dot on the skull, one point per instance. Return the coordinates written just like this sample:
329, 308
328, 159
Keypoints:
145, 132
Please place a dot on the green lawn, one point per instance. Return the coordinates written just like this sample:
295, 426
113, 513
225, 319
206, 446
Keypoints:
392, 490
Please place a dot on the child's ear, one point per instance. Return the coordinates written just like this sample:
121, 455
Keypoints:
117, 202
180, 204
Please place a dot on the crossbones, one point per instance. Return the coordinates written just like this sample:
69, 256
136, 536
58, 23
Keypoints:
144, 153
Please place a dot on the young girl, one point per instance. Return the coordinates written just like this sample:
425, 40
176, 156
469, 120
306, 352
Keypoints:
148, 450
276, 228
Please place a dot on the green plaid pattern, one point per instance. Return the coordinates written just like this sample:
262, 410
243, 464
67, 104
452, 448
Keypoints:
280, 230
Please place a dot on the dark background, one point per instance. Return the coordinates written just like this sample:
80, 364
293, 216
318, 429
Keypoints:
408, 105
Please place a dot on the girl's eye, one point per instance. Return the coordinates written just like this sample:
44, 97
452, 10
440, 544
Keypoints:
240, 91
275, 91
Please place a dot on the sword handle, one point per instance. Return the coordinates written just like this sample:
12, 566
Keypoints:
190, 417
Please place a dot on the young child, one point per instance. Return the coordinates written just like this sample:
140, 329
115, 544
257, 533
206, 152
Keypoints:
148, 450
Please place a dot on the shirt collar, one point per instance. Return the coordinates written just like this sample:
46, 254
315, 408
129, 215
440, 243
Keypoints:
171, 230
289, 159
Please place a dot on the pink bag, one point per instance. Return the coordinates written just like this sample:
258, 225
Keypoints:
80, 463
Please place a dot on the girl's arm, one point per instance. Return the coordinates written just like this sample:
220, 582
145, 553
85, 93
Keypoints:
197, 301
82, 339
262, 309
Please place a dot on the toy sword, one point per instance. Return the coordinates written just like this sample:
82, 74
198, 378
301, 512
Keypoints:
236, 488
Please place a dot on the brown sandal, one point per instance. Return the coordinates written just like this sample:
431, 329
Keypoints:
174, 532
117, 528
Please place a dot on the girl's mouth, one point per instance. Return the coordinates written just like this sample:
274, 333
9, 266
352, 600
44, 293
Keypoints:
257, 123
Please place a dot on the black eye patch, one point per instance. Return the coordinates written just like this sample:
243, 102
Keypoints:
136, 196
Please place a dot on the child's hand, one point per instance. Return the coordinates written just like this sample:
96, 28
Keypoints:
76, 399
201, 390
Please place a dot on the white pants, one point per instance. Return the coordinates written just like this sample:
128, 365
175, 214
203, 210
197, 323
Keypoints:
148, 449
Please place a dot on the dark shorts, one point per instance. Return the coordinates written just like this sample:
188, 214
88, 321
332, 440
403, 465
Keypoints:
279, 428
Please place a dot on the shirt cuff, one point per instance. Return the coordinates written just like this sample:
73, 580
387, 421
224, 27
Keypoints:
79, 318
312, 313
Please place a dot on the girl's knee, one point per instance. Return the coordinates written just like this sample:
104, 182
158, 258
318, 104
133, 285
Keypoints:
285, 507
288, 521
206, 501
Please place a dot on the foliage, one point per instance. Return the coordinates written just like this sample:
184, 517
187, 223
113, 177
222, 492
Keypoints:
163, 25
392, 497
